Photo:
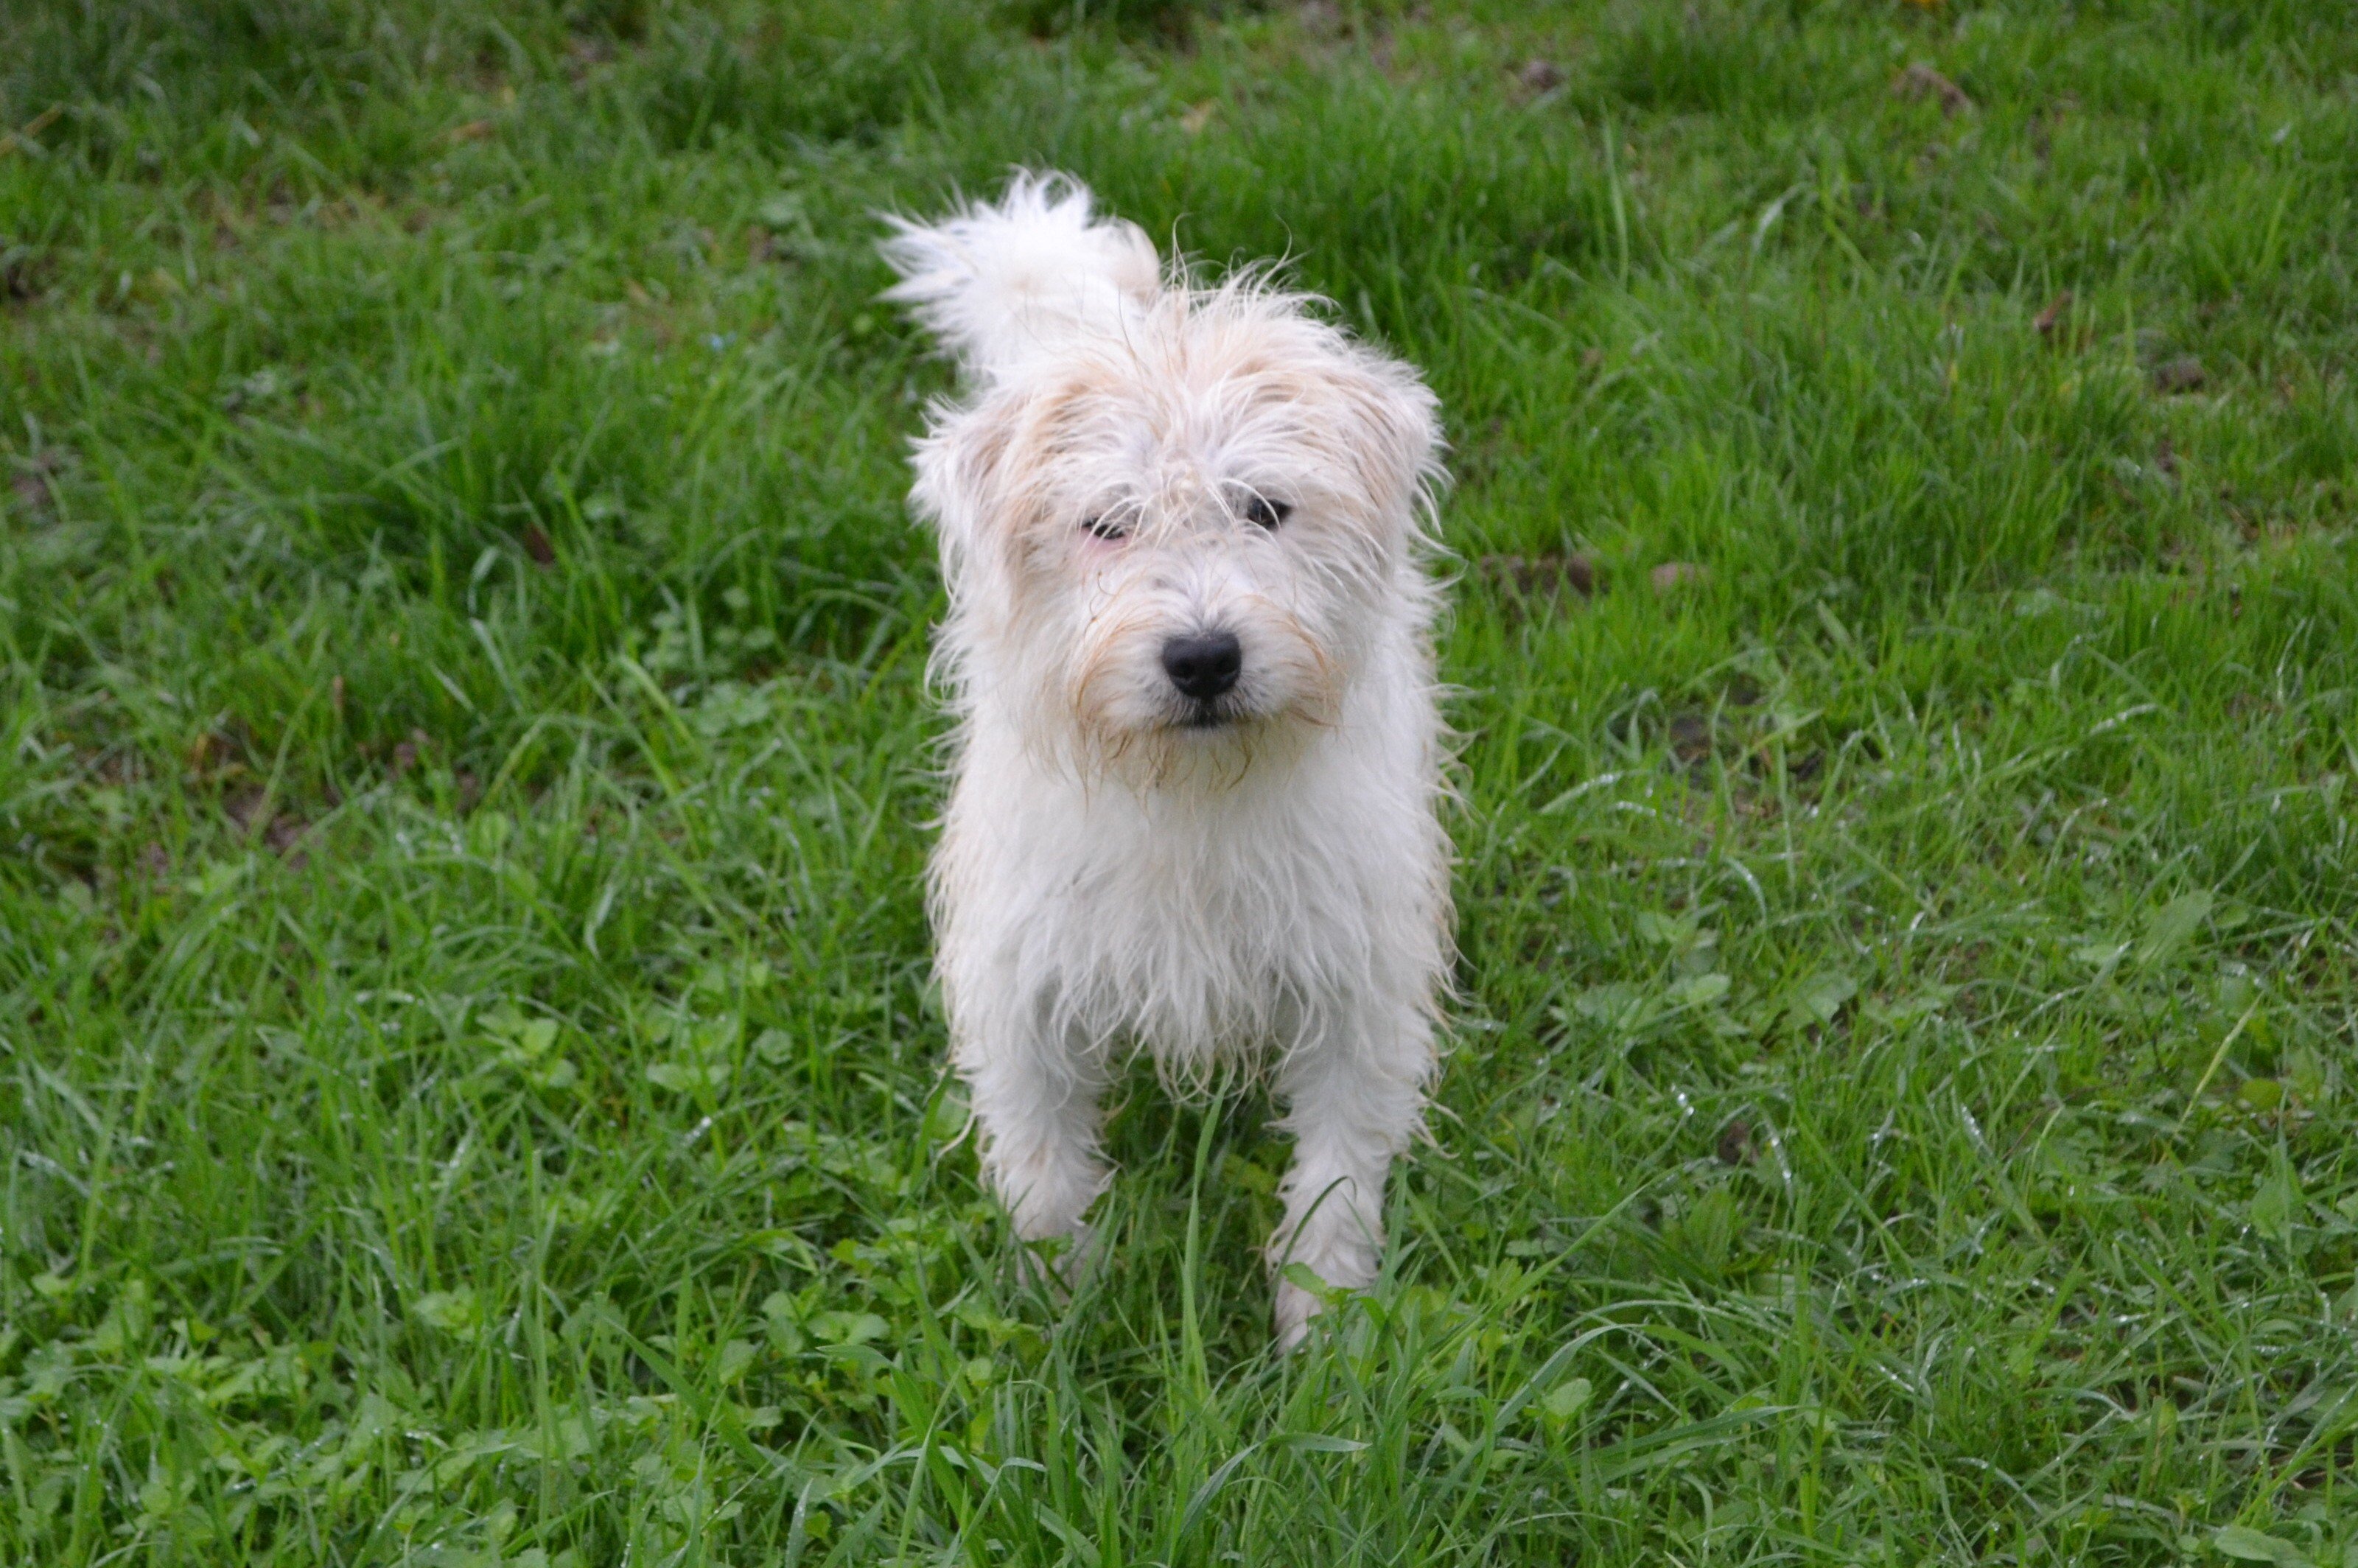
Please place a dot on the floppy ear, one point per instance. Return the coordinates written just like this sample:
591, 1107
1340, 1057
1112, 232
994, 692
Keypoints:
1394, 424
962, 484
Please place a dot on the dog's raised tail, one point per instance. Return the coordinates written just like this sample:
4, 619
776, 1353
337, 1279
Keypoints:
1003, 282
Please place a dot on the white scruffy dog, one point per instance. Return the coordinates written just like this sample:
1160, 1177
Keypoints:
1198, 755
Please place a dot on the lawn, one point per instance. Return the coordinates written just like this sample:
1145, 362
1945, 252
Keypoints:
470, 1084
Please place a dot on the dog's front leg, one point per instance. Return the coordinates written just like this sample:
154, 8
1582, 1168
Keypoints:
1036, 1101
1354, 1097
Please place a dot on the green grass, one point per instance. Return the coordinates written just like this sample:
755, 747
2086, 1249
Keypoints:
472, 1092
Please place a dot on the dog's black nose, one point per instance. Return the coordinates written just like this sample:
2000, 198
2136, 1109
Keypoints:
1205, 664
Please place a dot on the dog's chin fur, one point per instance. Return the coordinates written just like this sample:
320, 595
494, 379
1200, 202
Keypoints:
1255, 875
1193, 756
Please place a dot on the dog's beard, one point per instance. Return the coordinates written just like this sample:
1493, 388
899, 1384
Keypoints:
1209, 757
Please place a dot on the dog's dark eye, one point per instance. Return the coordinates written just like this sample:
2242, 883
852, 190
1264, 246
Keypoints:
1264, 512
1104, 528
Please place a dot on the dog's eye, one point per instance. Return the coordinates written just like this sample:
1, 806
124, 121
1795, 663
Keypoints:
1264, 512
1104, 528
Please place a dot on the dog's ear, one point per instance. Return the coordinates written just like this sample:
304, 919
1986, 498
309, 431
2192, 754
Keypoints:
1391, 425
962, 483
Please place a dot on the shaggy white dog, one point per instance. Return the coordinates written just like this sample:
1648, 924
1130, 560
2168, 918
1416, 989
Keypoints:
1198, 756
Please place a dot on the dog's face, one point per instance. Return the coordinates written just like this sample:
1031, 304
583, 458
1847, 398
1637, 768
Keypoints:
1179, 547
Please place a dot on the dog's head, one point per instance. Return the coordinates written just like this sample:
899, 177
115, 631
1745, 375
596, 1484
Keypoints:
1176, 535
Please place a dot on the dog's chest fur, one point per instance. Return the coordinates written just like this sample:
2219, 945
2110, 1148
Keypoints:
1197, 926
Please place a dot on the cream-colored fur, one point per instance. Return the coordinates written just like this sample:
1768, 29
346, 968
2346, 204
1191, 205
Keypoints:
1151, 483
